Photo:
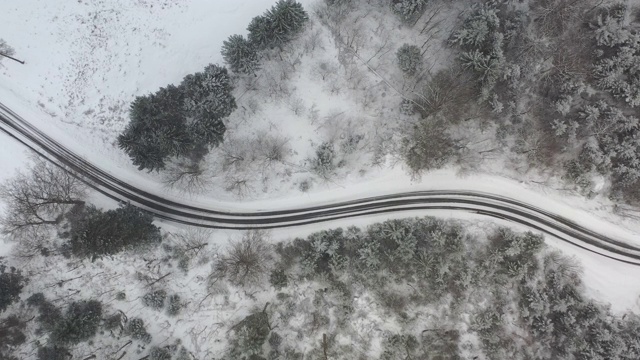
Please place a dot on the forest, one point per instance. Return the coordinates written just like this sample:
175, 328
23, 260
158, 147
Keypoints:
539, 89
549, 86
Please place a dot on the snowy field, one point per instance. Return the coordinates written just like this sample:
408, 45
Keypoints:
86, 60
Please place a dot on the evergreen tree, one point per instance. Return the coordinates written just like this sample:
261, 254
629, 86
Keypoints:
240, 54
157, 129
95, 233
179, 121
409, 59
259, 32
279, 25
208, 100
80, 322
287, 19
11, 284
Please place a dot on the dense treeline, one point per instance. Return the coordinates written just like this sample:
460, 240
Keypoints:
519, 299
559, 81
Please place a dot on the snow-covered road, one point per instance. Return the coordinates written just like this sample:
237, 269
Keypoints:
476, 202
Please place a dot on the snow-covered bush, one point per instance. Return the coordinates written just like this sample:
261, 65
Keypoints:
278, 279
137, 330
174, 305
323, 164
408, 10
409, 59
407, 107
155, 299
159, 353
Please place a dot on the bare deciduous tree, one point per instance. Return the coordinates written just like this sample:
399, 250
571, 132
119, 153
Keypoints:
247, 261
39, 197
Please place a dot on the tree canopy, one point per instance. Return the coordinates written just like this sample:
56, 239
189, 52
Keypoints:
179, 120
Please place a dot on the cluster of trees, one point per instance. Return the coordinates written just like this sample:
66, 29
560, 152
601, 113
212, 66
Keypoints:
37, 199
79, 323
581, 57
440, 262
179, 121
187, 120
95, 233
275, 28
49, 197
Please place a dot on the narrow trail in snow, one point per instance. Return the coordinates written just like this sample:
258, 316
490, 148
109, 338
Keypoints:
476, 202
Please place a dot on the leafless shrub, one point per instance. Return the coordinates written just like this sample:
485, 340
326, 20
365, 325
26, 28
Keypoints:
39, 198
238, 154
291, 59
238, 184
191, 244
314, 113
246, 262
187, 177
253, 106
296, 105
313, 41
276, 80
273, 148
325, 70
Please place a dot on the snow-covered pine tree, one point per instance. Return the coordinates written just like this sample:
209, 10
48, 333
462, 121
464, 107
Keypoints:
80, 323
259, 32
478, 27
240, 55
156, 129
286, 18
208, 100
409, 59
94, 232
11, 284
278, 25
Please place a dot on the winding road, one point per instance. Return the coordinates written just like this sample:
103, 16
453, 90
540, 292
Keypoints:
485, 204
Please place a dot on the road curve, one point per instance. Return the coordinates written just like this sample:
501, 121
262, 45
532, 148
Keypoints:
481, 203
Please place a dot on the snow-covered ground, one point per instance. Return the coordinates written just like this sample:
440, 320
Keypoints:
86, 60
